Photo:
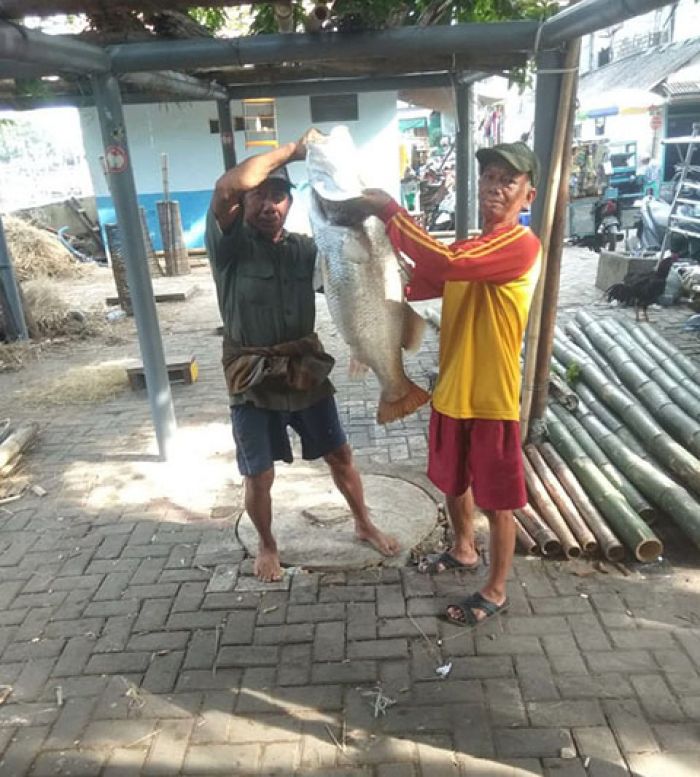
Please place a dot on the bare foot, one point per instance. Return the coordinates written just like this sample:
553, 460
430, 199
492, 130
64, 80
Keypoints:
267, 565
384, 543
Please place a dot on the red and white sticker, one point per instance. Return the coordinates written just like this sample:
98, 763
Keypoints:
116, 159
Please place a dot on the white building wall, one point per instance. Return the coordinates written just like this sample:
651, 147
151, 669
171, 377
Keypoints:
181, 130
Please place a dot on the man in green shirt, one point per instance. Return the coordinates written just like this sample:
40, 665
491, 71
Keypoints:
275, 366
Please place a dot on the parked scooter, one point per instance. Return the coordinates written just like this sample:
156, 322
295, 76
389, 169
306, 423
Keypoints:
606, 227
653, 223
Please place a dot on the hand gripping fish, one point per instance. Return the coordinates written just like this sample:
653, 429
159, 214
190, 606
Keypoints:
362, 276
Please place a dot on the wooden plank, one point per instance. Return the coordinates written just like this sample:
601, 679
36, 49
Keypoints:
166, 296
180, 371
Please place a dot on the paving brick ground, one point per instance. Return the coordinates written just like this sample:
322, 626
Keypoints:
135, 643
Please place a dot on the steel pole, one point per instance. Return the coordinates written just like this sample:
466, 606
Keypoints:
472, 192
590, 15
411, 43
50, 53
123, 190
17, 326
549, 63
228, 146
463, 161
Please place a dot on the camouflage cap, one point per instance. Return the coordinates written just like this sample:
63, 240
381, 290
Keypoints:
518, 155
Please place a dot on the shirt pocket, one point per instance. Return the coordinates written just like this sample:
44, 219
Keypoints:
256, 283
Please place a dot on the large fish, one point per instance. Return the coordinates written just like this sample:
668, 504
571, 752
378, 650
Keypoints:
361, 274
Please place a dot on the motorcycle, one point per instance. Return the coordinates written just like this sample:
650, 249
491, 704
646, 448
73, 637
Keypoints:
606, 227
653, 223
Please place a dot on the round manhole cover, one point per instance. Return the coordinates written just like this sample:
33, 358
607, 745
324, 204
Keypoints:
313, 525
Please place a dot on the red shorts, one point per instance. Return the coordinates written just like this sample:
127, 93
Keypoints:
485, 455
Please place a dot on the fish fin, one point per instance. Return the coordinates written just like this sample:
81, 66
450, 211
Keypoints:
414, 398
357, 369
413, 328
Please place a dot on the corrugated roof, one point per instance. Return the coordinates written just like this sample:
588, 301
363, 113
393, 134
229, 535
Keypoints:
684, 82
647, 70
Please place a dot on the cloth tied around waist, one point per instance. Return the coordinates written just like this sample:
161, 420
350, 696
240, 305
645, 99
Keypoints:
298, 365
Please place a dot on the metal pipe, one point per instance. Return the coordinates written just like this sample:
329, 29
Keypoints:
17, 8
473, 192
464, 161
9, 291
178, 84
587, 16
409, 43
228, 146
245, 91
50, 53
340, 85
123, 190
547, 92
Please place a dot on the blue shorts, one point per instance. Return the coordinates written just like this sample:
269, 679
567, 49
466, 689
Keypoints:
261, 435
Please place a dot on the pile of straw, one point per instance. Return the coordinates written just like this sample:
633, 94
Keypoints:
79, 385
37, 253
13, 356
52, 316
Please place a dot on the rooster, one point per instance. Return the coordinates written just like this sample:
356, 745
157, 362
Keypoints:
642, 290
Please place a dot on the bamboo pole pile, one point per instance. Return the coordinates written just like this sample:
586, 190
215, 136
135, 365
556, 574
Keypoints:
632, 443
623, 429
13, 443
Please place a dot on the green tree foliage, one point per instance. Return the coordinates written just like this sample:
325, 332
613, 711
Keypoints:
214, 19
378, 14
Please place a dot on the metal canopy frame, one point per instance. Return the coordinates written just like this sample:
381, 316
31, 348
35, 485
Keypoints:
24, 51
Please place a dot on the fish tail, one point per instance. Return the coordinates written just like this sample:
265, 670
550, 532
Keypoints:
414, 398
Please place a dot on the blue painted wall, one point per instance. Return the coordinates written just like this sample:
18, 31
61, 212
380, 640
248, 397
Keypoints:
193, 210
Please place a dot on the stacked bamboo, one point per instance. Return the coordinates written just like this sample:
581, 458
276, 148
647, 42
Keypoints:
624, 455
13, 442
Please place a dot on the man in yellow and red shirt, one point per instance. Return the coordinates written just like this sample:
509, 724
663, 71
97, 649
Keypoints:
486, 284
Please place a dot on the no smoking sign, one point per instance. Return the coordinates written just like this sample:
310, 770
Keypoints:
116, 159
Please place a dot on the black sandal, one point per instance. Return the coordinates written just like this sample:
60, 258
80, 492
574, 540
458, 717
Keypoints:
475, 602
436, 563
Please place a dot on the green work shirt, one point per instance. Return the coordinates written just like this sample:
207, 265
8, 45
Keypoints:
266, 297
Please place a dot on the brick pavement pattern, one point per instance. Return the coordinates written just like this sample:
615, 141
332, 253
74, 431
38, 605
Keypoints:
135, 642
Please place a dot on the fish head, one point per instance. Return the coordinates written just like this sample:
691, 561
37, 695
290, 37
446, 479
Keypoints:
331, 164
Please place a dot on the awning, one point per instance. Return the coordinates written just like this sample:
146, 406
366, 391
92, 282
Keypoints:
684, 82
619, 102
405, 125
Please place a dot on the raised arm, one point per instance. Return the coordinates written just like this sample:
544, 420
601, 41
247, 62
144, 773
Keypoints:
499, 257
229, 189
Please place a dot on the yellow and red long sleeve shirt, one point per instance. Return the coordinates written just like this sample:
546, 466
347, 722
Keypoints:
487, 284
